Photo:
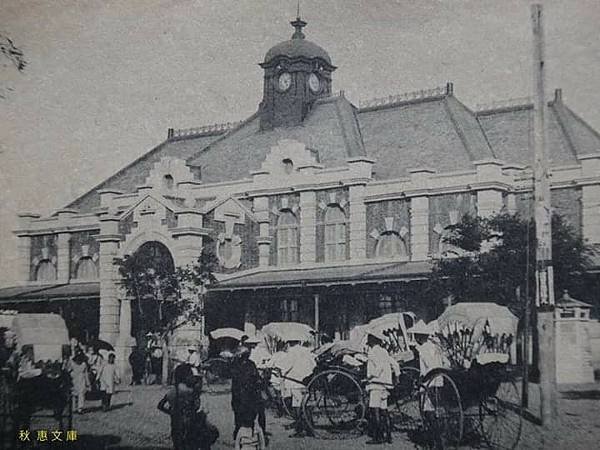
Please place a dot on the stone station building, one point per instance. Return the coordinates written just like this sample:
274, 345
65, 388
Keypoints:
319, 211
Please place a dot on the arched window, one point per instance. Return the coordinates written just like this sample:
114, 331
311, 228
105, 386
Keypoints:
45, 271
86, 269
287, 239
335, 234
391, 245
168, 181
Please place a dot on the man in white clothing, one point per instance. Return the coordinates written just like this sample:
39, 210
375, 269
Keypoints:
380, 366
298, 364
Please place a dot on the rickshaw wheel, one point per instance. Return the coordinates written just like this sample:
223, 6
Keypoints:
441, 410
333, 405
406, 415
501, 417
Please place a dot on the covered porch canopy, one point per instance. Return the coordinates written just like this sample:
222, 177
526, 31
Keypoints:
77, 303
326, 276
51, 292
331, 299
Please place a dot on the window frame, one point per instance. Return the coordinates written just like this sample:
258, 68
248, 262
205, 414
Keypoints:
340, 234
288, 254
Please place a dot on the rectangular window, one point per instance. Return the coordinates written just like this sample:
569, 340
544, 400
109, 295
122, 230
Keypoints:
289, 310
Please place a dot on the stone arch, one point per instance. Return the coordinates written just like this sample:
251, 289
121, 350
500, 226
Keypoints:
146, 312
133, 243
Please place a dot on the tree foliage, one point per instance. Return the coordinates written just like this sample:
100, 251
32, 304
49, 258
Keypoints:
10, 51
167, 297
497, 254
15, 57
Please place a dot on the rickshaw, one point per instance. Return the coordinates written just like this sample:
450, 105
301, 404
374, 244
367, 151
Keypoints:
275, 336
43, 343
476, 396
222, 345
335, 403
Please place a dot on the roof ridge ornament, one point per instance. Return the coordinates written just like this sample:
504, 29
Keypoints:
298, 24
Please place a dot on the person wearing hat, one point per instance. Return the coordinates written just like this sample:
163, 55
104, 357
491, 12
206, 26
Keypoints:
428, 351
298, 364
259, 356
245, 391
380, 366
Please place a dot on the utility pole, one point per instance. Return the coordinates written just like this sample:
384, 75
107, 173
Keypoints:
544, 276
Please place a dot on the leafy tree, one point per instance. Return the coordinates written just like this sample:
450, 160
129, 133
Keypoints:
166, 297
493, 256
13, 54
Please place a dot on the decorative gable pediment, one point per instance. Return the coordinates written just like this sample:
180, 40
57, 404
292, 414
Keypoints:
167, 173
149, 213
289, 162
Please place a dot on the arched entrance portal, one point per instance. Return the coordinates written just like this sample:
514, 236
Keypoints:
153, 266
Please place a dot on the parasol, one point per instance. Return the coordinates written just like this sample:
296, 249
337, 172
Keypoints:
232, 333
286, 331
276, 333
392, 325
476, 315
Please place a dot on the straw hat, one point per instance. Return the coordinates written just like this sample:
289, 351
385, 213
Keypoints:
420, 328
253, 340
376, 334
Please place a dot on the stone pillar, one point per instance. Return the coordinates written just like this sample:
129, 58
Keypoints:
511, 203
125, 342
189, 234
591, 213
358, 222
419, 228
24, 259
109, 239
489, 202
63, 257
308, 226
261, 209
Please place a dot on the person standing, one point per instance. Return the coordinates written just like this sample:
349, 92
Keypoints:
80, 380
379, 382
260, 356
245, 391
108, 376
136, 361
181, 403
299, 363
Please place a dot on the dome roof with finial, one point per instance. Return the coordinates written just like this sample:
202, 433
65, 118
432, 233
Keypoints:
298, 46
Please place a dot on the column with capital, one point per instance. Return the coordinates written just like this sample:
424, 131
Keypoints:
63, 257
109, 240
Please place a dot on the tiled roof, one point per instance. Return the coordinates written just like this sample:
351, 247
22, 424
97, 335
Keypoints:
134, 174
509, 132
330, 129
423, 129
417, 134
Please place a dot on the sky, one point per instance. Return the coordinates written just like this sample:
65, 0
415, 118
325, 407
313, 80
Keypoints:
106, 78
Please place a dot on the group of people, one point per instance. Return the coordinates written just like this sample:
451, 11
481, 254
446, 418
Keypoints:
90, 371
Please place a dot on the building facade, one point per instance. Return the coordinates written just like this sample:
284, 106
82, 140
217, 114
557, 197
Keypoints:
318, 210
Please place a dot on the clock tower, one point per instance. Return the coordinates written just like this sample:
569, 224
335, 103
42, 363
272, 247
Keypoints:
297, 72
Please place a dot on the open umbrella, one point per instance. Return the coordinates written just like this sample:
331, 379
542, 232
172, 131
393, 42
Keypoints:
232, 333
284, 331
99, 344
476, 315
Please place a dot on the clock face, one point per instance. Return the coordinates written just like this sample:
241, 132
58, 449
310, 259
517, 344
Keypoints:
314, 83
285, 81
